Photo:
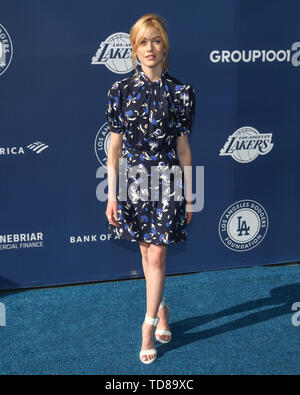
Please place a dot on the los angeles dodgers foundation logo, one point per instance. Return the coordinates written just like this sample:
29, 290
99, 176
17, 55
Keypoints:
6, 50
102, 143
243, 225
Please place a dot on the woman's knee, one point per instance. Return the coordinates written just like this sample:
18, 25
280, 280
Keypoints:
144, 247
157, 255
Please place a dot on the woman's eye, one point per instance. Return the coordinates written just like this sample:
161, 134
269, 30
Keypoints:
157, 41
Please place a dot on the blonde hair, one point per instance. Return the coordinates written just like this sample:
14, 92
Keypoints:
137, 33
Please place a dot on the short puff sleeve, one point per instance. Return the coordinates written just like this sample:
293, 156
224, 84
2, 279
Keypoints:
113, 113
185, 111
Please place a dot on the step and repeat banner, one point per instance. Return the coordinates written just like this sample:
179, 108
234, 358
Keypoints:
58, 59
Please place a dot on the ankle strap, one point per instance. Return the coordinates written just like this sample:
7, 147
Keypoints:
150, 320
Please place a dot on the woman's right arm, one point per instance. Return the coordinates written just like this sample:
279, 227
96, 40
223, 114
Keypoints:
113, 156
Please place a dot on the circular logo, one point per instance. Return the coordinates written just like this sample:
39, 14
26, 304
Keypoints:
102, 143
243, 225
6, 50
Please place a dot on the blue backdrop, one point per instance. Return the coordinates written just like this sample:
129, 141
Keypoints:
58, 59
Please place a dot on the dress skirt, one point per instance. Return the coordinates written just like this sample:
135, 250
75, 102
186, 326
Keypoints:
151, 201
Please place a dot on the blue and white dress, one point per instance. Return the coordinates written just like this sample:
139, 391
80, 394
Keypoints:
150, 116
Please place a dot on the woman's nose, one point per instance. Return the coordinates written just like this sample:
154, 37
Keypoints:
149, 46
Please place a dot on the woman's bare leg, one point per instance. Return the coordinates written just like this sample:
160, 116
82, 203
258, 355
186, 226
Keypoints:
154, 265
144, 252
156, 274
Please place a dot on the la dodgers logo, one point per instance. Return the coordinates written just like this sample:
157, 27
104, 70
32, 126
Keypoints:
243, 225
6, 50
102, 143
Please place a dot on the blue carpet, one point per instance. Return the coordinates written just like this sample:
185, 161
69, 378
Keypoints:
223, 322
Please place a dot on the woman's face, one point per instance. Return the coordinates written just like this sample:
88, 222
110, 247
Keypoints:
151, 44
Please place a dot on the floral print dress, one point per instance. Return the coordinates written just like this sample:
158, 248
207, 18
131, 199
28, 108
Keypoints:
150, 116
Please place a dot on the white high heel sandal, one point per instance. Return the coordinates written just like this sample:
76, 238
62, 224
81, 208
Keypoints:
161, 331
151, 351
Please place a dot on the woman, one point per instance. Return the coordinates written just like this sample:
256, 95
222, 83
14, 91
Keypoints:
151, 113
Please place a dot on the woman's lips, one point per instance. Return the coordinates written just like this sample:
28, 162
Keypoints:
150, 57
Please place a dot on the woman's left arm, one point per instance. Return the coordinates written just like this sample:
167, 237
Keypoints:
185, 158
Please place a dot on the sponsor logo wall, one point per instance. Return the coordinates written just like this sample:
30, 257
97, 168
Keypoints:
54, 137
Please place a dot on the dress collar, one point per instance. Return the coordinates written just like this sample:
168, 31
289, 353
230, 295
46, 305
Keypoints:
144, 76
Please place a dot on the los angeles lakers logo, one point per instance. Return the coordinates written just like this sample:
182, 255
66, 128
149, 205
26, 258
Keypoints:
6, 50
246, 144
115, 53
243, 225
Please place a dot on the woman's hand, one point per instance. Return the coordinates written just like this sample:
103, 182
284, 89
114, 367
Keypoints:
189, 217
112, 212
189, 213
